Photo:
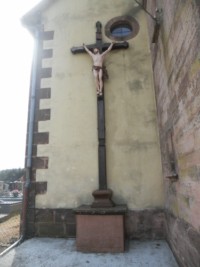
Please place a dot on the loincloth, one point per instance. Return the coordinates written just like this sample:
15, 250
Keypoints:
98, 68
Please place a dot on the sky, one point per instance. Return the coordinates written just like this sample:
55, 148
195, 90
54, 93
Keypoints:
16, 50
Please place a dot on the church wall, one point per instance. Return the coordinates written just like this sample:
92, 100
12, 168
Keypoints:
176, 65
65, 163
130, 113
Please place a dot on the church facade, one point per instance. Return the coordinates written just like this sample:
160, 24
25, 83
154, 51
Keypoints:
151, 118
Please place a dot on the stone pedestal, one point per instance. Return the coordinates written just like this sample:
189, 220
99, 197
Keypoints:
100, 230
102, 199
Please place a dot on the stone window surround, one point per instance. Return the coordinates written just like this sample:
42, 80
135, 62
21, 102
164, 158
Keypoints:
122, 20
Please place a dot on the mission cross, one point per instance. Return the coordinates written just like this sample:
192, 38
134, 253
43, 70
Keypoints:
100, 104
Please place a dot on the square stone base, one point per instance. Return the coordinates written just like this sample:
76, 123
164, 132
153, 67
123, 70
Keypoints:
100, 233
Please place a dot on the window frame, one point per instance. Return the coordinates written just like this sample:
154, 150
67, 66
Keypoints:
121, 21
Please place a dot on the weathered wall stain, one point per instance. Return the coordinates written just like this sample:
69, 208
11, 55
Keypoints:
135, 85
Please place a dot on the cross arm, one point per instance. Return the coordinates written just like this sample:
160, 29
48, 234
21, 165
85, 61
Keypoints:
81, 49
120, 45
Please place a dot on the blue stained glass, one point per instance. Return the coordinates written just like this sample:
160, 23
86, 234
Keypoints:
121, 31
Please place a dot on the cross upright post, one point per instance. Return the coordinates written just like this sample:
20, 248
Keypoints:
102, 196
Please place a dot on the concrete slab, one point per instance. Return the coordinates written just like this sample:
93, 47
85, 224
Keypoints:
43, 252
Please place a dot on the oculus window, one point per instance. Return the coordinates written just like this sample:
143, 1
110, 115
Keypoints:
121, 28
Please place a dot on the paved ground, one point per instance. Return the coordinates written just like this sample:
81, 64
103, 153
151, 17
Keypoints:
50, 252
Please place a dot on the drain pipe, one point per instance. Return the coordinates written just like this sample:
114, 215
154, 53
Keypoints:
30, 132
28, 163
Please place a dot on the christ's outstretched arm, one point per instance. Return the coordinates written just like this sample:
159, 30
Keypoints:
108, 50
87, 50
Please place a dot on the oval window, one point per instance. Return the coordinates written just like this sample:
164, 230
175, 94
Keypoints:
121, 28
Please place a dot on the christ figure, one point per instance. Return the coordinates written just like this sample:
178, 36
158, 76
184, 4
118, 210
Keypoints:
97, 67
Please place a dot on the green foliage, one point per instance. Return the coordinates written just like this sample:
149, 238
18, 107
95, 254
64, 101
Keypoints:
11, 175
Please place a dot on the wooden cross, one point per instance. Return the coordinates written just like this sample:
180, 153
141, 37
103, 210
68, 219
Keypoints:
103, 195
99, 44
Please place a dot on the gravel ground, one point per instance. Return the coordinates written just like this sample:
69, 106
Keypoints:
50, 252
9, 231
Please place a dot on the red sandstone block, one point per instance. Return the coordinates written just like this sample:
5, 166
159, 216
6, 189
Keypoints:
193, 159
44, 93
197, 139
47, 35
186, 144
40, 162
41, 138
43, 115
100, 233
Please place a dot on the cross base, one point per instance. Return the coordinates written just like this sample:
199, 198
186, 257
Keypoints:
100, 230
102, 199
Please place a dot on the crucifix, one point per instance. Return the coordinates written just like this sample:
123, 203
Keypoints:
102, 196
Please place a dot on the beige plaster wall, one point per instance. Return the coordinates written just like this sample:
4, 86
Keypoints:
133, 155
